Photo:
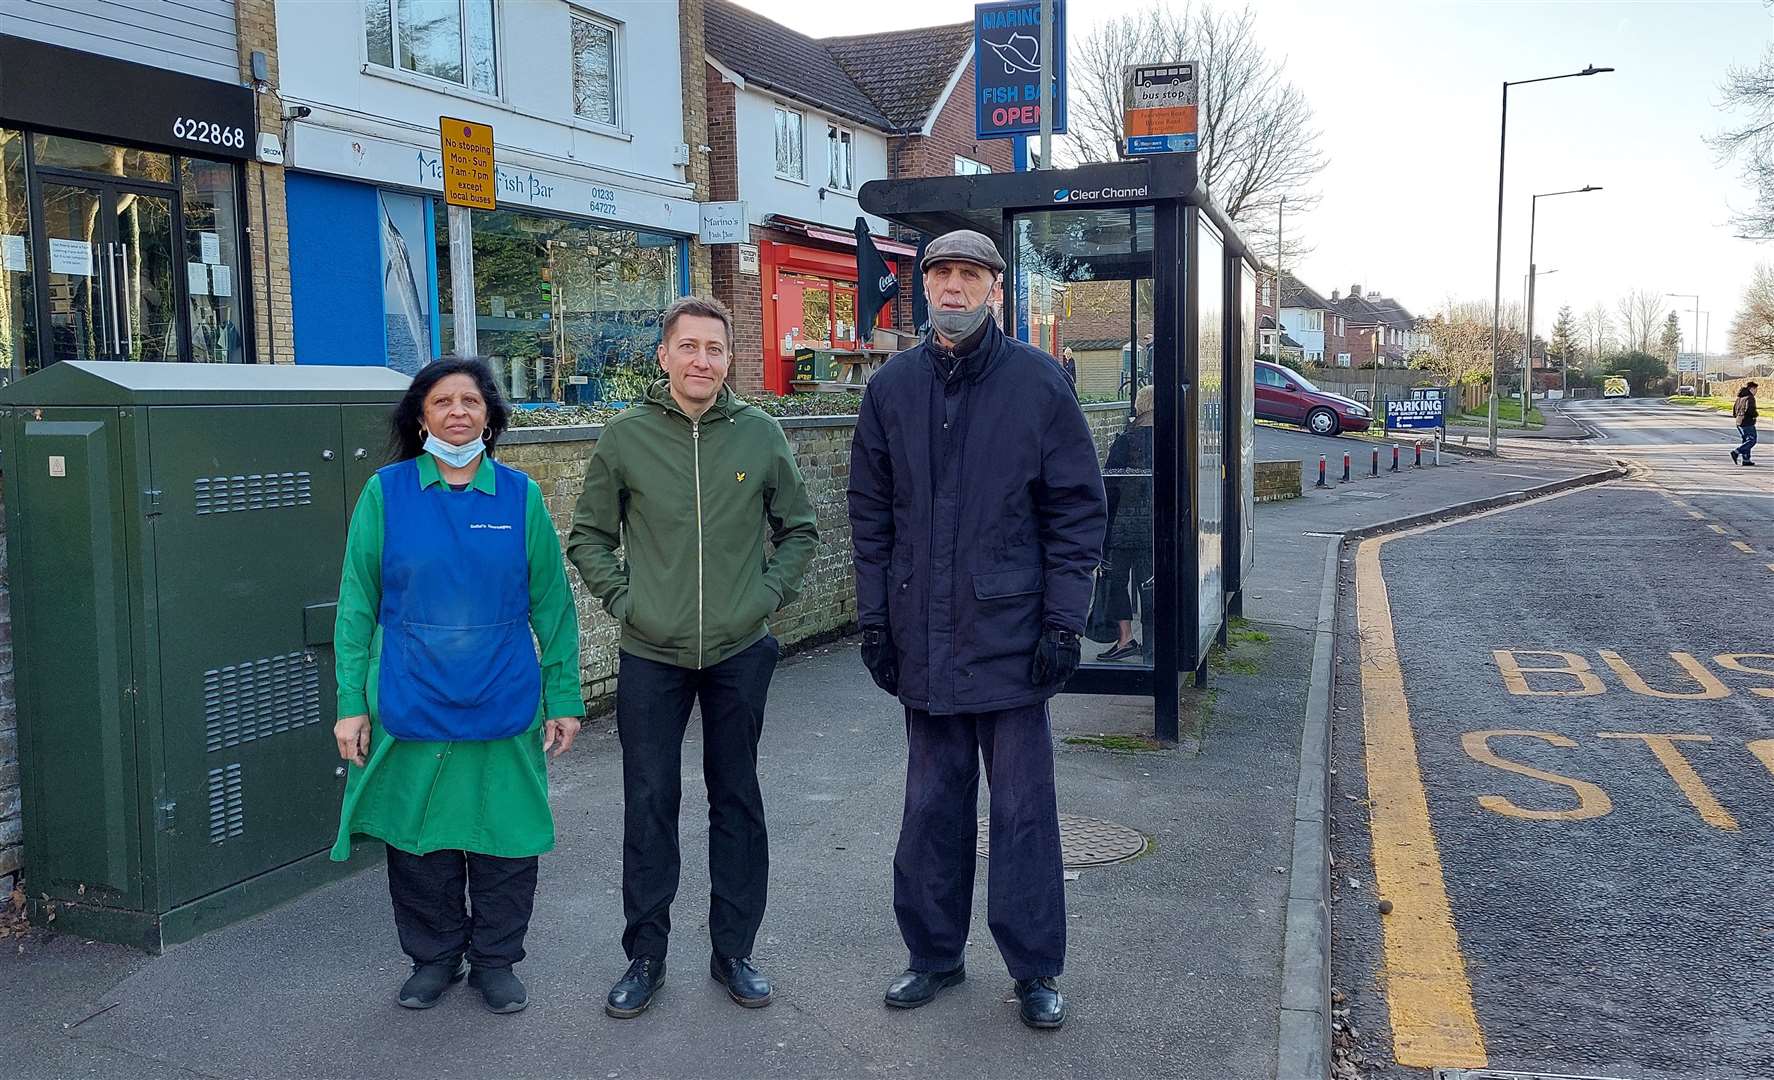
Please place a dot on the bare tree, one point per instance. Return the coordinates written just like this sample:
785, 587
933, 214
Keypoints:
1460, 339
1258, 144
1598, 331
1749, 93
1752, 330
1641, 314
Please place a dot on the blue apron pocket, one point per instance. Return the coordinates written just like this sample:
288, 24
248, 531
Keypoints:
467, 682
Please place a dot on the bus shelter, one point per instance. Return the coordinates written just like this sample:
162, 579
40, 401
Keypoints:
1131, 266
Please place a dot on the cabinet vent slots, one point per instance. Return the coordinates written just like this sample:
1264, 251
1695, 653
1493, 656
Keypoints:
227, 804
257, 491
259, 698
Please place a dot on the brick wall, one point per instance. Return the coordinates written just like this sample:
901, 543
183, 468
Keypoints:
1276, 480
267, 214
740, 292
952, 134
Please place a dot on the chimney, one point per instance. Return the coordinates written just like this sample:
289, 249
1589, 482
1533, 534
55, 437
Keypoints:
1333, 296
1355, 290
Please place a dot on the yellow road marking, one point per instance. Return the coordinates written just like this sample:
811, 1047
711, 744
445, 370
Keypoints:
1743, 547
1680, 503
1433, 1019
1735, 662
1717, 528
1683, 774
1711, 689
1771, 566
1763, 749
1697, 515
1592, 801
1515, 675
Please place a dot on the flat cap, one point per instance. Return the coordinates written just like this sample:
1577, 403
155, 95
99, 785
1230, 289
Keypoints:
965, 245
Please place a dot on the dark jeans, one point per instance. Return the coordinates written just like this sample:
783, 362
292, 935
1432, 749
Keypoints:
433, 921
933, 868
1748, 431
652, 710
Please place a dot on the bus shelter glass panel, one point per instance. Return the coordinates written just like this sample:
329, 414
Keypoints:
1247, 416
1210, 401
1089, 274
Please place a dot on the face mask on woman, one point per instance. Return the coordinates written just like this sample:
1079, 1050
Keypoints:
456, 457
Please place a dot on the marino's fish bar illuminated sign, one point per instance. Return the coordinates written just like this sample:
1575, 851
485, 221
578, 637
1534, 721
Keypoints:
1007, 66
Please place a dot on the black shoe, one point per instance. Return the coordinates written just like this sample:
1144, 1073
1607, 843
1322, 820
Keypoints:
745, 984
1746, 461
1122, 652
916, 988
500, 989
426, 985
633, 992
1042, 1005
1734, 460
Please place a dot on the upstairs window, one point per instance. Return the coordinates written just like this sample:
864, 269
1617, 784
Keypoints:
790, 161
594, 70
451, 40
966, 166
840, 152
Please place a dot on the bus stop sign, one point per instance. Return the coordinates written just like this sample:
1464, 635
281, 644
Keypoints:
1160, 107
1007, 65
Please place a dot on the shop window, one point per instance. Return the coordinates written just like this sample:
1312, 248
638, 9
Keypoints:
966, 166
452, 40
594, 70
565, 311
840, 150
18, 297
211, 257
67, 152
790, 163
816, 313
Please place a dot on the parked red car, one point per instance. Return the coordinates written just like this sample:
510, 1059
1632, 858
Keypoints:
1290, 398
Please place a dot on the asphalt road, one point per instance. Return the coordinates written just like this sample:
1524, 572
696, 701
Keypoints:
1560, 774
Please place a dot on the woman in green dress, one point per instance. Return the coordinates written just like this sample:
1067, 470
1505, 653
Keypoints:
446, 710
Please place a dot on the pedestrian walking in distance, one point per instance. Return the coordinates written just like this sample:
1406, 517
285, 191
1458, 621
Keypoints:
689, 483
977, 512
446, 709
1743, 411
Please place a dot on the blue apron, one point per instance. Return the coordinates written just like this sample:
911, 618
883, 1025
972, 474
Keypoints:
458, 661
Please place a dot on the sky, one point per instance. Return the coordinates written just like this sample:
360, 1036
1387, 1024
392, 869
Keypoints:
1407, 96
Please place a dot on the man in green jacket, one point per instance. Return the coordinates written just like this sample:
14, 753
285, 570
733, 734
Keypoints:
684, 483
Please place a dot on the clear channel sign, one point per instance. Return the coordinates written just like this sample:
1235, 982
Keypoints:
1160, 107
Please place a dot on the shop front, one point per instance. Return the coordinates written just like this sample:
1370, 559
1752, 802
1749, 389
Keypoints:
570, 276
121, 231
809, 285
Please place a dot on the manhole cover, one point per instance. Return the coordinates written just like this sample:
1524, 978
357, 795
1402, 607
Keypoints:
1084, 841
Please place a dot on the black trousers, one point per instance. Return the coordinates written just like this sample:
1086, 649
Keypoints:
933, 867
653, 703
433, 920
1129, 569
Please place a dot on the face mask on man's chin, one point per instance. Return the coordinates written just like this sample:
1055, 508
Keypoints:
959, 325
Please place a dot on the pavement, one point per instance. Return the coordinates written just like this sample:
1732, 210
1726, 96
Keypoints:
1561, 418
1559, 776
1195, 960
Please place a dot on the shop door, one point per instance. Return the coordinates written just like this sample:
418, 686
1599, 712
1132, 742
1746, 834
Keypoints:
108, 260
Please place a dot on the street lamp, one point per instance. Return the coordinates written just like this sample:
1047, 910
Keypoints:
1527, 379
1696, 299
1497, 288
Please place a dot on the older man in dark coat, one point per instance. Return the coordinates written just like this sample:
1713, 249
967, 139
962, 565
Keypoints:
977, 513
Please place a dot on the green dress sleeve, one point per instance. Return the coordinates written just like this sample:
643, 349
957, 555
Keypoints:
552, 614
360, 599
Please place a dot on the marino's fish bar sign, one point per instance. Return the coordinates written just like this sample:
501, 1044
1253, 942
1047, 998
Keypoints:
1007, 62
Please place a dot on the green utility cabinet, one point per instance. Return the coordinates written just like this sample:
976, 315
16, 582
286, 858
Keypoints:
174, 541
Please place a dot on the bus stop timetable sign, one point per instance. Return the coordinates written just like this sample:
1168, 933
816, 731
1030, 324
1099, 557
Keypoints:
467, 163
1160, 107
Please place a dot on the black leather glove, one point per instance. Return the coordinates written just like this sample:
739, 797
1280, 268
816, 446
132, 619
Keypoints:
1056, 657
879, 656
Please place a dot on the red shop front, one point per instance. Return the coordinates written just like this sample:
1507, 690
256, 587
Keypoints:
810, 294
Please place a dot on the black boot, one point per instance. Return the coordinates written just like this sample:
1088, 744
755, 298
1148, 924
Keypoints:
633, 992
1042, 1006
916, 988
500, 989
426, 985
745, 984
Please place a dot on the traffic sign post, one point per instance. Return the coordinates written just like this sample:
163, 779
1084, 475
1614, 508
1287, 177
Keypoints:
470, 184
1160, 108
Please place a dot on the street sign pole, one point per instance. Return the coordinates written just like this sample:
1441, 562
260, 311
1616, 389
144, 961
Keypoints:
462, 280
1046, 101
